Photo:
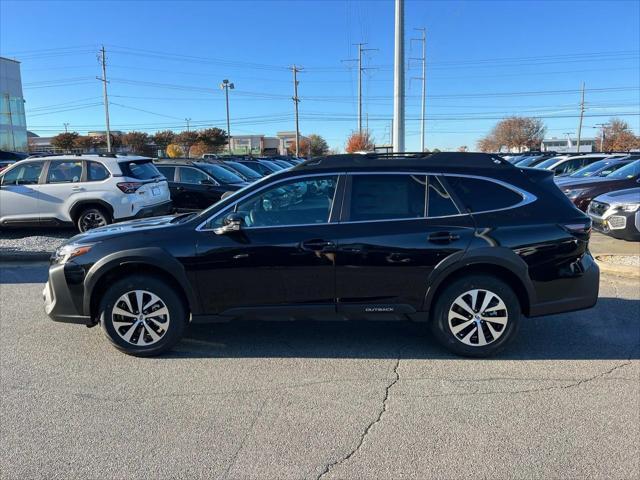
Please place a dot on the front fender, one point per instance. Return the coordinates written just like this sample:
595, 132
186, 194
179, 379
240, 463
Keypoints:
152, 256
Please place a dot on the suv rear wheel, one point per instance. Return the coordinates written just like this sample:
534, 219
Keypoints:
92, 217
476, 316
142, 316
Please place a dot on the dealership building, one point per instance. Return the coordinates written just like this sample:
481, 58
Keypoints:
13, 122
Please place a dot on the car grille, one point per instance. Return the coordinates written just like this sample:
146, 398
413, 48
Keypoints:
598, 208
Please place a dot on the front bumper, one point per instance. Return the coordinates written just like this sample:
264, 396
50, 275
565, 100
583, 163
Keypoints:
58, 300
578, 292
624, 225
164, 208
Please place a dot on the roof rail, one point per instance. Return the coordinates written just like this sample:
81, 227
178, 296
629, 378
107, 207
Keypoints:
108, 155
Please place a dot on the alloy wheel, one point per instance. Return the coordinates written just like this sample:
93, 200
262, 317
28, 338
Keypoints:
140, 317
478, 317
92, 220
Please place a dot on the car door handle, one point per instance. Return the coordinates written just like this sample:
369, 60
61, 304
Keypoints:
77, 189
317, 245
180, 189
443, 237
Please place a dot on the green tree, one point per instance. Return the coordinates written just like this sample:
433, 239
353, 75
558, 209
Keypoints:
317, 145
213, 138
65, 141
136, 141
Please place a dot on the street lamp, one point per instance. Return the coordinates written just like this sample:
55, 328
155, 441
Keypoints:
225, 85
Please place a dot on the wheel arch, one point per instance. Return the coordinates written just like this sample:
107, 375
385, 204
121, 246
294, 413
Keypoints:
512, 271
79, 205
152, 261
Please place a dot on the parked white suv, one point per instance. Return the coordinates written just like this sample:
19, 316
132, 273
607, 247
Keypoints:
88, 191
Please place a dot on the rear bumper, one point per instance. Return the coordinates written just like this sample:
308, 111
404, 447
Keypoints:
58, 302
164, 208
576, 293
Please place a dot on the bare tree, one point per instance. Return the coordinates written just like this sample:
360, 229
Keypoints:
514, 132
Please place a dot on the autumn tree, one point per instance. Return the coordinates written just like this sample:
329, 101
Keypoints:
84, 143
136, 141
317, 145
174, 151
359, 141
302, 150
186, 140
198, 149
515, 132
488, 144
65, 141
618, 137
214, 139
164, 138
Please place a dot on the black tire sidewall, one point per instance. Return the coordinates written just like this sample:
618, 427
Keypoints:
177, 314
88, 210
440, 323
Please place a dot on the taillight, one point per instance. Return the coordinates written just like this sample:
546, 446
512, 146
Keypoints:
582, 228
129, 187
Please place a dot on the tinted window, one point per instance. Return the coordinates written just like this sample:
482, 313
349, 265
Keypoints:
481, 195
192, 175
64, 171
299, 202
630, 171
258, 167
244, 170
96, 171
23, 174
380, 197
439, 203
569, 166
141, 170
589, 170
168, 172
221, 174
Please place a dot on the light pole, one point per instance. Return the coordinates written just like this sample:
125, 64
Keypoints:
225, 85
602, 126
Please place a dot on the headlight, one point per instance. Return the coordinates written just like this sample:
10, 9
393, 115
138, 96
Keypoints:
572, 194
629, 207
66, 252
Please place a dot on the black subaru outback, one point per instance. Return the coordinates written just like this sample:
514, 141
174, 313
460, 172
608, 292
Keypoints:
466, 242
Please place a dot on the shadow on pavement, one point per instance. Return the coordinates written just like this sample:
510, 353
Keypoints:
609, 331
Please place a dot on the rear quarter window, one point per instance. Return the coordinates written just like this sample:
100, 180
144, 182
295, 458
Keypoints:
140, 170
479, 195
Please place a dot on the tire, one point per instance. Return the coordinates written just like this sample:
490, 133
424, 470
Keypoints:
499, 321
92, 217
116, 313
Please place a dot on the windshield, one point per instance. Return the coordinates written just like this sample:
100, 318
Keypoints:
221, 174
243, 169
630, 171
589, 170
547, 163
274, 166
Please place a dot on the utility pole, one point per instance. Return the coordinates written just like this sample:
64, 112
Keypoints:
360, 70
296, 100
581, 115
103, 59
226, 85
423, 39
602, 127
188, 120
398, 79
66, 127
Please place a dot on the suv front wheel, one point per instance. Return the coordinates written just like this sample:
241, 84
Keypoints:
142, 316
476, 316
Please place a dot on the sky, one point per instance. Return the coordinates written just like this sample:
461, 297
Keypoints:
166, 59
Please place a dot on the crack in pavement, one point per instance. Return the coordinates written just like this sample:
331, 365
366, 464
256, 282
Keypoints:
369, 427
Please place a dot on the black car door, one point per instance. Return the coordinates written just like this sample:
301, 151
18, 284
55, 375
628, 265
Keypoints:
282, 256
394, 230
196, 189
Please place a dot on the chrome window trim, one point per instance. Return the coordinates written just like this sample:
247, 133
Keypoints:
527, 197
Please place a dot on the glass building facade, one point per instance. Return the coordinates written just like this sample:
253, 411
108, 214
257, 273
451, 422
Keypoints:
13, 122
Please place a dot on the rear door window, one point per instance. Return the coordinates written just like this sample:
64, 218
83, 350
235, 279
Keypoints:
192, 175
478, 195
64, 171
139, 169
167, 171
387, 197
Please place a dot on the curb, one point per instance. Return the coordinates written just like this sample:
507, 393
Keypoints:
21, 256
626, 271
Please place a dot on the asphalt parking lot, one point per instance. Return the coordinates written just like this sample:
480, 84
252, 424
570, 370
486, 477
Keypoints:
307, 400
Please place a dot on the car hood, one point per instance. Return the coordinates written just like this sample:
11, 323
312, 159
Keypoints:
629, 195
116, 229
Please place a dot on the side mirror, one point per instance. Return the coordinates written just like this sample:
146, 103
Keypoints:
232, 223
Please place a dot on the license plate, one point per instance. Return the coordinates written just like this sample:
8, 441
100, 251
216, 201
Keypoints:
155, 191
